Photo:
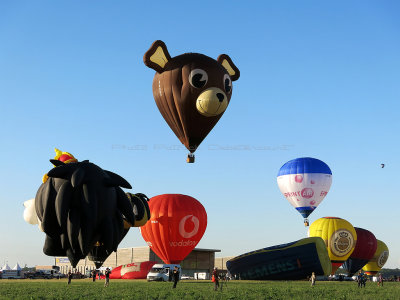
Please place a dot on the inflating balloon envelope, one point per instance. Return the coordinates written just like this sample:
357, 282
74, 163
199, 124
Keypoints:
363, 251
135, 270
376, 263
339, 237
84, 212
292, 261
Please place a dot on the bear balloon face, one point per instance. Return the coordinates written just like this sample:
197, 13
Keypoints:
191, 90
204, 84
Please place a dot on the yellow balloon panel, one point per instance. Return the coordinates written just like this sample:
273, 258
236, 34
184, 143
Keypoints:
378, 260
339, 236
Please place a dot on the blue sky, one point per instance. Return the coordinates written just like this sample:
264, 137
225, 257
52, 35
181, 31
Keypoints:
318, 79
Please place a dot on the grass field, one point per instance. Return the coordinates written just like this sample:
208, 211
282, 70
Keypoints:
140, 289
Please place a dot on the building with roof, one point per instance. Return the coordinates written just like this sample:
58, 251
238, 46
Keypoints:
220, 262
198, 261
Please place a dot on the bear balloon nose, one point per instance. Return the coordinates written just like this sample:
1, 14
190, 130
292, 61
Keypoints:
220, 97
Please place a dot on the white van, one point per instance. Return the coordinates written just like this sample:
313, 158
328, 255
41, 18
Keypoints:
162, 272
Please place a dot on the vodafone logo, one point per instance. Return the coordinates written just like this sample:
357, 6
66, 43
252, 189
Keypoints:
183, 232
307, 193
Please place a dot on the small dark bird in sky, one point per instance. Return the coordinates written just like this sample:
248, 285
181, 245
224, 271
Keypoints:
382, 165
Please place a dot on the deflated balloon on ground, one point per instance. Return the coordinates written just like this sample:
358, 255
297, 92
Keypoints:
291, 261
135, 270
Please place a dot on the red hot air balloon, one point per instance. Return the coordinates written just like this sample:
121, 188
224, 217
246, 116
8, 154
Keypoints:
176, 226
363, 251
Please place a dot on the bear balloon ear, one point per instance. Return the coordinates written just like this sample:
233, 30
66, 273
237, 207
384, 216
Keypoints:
228, 64
157, 56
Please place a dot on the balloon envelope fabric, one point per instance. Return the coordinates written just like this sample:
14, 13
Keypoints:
291, 261
191, 90
135, 270
305, 182
176, 225
82, 209
364, 250
339, 236
379, 259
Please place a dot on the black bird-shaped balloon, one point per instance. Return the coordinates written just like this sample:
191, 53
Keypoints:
83, 211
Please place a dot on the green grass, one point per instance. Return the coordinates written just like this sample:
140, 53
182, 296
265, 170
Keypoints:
140, 289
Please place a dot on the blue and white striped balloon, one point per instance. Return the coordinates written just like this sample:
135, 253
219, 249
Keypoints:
305, 182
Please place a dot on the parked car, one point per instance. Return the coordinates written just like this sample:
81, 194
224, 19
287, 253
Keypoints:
39, 275
162, 272
186, 277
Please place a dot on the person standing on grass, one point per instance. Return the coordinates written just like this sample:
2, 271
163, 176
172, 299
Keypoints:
360, 278
380, 280
175, 276
365, 278
312, 279
215, 278
108, 272
69, 277
94, 275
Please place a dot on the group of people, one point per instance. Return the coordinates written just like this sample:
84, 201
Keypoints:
361, 279
93, 275
215, 278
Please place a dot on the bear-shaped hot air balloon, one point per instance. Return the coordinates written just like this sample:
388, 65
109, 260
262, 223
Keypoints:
192, 91
176, 226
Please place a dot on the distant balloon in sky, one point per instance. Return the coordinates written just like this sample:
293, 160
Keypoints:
364, 250
379, 259
305, 182
339, 236
176, 226
192, 91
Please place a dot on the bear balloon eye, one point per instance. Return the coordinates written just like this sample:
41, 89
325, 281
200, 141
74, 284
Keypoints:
227, 83
198, 78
